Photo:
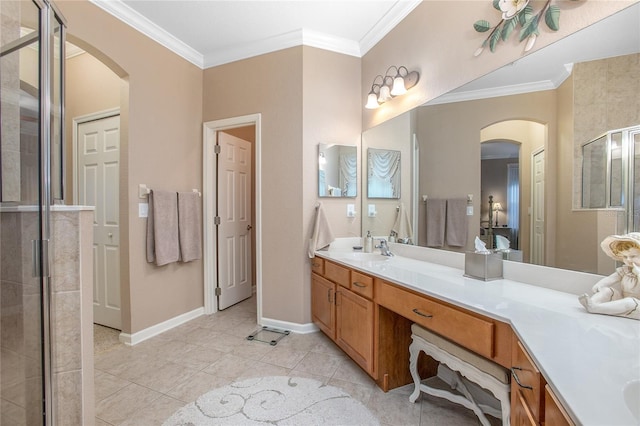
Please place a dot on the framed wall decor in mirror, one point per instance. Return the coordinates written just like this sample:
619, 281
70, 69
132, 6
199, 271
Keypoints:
383, 173
337, 171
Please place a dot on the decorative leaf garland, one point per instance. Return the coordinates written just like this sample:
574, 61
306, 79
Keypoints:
517, 14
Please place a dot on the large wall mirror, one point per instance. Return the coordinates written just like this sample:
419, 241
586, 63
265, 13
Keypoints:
547, 105
337, 171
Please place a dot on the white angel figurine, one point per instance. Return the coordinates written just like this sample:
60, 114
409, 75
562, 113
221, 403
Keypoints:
619, 293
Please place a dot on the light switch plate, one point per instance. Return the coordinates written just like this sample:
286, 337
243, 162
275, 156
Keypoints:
371, 211
469, 210
351, 210
143, 209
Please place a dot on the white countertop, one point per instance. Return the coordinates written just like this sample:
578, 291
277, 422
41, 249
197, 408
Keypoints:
587, 359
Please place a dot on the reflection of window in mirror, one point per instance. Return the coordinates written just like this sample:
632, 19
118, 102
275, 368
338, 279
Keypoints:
337, 171
383, 174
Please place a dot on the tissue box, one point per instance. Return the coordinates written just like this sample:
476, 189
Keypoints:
483, 266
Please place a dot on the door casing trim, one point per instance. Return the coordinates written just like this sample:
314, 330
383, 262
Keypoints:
210, 128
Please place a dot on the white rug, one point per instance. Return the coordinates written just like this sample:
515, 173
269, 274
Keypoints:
274, 401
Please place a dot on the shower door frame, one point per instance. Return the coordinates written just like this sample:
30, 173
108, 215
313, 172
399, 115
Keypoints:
47, 13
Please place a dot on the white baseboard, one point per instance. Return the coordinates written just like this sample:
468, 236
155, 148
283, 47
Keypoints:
291, 326
154, 330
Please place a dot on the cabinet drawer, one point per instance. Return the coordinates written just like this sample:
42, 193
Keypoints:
338, 274
473, 333
526, 380
317, 265
362, 284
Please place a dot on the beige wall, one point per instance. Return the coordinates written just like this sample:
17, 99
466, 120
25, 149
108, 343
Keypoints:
161, 146
438, 40
306, 96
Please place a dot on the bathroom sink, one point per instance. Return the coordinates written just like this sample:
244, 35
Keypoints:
631, 394
365, 257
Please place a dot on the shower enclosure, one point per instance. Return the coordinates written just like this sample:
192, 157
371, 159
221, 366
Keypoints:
31, 119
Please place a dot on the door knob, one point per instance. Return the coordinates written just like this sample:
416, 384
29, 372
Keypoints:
110, 235
249, 227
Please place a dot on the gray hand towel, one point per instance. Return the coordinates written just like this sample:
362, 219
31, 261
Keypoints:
162, 228
436, 210
457, 223
189, 226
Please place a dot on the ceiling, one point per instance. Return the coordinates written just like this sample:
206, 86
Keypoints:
214, 32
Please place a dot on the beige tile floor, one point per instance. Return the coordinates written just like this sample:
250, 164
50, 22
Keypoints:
145, 384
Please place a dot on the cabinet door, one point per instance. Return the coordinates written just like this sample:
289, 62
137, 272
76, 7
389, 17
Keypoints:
354, 333
323, 311
527, 381
554, 414
520, 413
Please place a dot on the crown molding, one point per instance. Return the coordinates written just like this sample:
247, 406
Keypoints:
294, 38
514, 89
151, 30
397, 13
291, 39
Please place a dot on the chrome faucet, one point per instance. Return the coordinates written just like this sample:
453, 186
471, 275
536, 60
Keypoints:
384, 248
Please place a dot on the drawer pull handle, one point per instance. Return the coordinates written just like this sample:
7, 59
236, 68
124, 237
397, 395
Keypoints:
417, 312
359, 284
515, 376
329, 295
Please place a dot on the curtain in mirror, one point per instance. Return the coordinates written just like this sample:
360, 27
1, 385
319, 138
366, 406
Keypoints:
383, 174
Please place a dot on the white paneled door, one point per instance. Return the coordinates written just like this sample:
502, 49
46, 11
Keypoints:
98, 171
234, 209
537, 208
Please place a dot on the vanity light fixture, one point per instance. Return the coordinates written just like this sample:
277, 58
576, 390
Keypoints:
395, 82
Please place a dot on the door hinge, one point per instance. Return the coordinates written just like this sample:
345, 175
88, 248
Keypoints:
216, 149
216, 220
218, 291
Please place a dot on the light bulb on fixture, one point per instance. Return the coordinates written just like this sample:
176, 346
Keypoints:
372, 101
398, 86
372, 98
385, 94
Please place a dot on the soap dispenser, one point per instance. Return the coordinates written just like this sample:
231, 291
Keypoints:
392, 237
368, 243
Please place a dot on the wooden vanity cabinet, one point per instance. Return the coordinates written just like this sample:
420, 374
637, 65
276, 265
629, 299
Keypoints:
342, 308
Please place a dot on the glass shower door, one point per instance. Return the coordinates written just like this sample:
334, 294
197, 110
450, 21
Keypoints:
31, 94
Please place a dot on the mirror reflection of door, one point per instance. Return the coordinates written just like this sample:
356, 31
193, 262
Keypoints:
500, 177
